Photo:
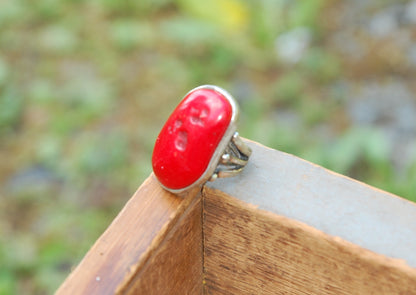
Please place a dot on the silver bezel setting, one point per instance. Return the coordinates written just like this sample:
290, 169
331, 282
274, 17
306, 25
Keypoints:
219, 151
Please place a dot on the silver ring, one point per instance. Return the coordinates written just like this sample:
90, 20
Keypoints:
199, 141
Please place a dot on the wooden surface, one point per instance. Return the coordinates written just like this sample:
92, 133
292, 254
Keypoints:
176, 267
154, 244
339, 206
283, 226
252, 251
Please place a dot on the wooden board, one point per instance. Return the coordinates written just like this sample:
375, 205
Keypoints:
253, 251
154, 246
337, 205
283, 226
176, 267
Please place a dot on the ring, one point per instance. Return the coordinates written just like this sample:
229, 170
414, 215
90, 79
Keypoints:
199, 141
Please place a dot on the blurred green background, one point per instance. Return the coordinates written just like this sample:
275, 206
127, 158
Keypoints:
85, 87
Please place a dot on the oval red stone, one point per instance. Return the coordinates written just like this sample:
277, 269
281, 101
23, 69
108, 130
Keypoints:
190, 137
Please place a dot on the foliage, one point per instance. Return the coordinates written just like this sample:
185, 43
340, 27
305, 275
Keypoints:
86, 85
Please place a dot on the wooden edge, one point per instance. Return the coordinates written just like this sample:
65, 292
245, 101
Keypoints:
252, 251
286, 243
337, 205
132, 239
176, 265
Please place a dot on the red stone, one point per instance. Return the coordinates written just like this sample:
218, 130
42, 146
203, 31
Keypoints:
189, 138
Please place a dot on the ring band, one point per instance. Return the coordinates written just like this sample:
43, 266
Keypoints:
233, 160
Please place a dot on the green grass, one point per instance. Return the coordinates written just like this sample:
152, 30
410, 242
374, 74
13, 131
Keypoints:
85, 87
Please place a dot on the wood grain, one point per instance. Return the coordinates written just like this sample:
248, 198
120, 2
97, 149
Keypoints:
136, 238
176, 267
252, 251
311, 231
337, 205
